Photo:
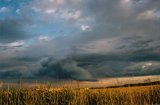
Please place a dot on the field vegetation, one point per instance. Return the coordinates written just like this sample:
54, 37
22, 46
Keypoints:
40, 95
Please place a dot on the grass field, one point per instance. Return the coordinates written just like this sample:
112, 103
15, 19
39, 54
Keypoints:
139, 95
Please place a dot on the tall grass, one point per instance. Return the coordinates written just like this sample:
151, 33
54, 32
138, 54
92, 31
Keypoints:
142, 95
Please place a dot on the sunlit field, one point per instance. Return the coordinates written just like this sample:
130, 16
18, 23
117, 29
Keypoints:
40, 95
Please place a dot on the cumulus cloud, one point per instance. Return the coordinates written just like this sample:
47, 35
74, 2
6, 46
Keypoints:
144, 68
147, 15
12, 45
3, 9
85, 27
58, 8
18, 11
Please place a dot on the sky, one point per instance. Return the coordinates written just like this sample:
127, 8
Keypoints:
79, 39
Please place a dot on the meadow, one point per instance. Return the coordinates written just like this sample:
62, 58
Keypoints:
138, 95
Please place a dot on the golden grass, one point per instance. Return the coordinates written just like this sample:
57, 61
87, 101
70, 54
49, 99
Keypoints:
142, 95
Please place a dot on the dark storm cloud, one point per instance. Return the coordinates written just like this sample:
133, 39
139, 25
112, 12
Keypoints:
141, 49
105, 66
123, 40
10, 74
4, 65
26, 59
17, 71
63, 69
128, 59
12, 30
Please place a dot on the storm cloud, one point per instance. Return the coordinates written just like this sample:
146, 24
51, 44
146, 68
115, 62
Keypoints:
12, 30
63, 69
82, 40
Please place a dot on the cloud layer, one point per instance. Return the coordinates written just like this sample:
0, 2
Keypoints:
80, 40
12, 30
